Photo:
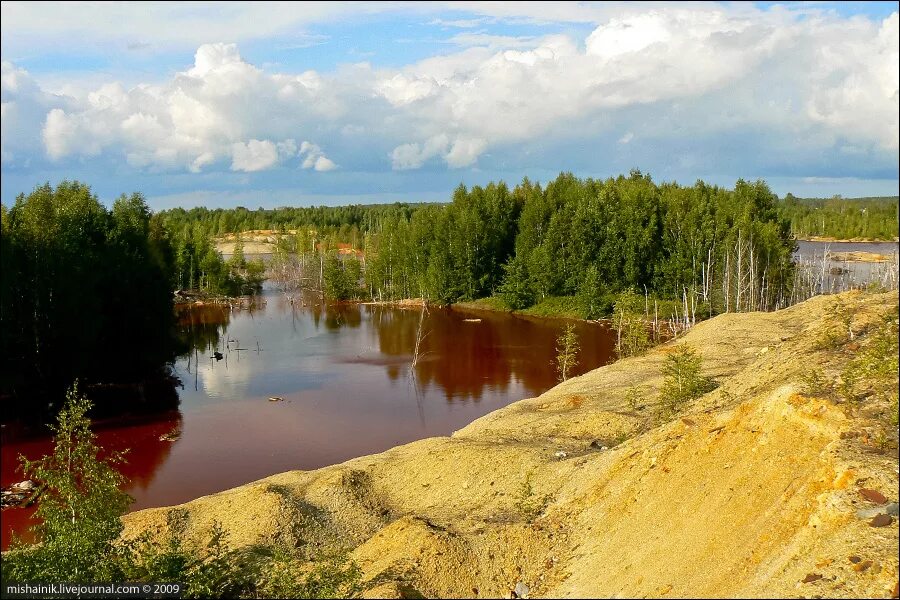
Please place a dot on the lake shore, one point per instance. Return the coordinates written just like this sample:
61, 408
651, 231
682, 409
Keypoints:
819, 238
580, 493
858, 256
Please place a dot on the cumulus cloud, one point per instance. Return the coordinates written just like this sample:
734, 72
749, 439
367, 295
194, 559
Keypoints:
25, 107
255, 155
464, 152
314, 158
801, 87
414, 155
59, 131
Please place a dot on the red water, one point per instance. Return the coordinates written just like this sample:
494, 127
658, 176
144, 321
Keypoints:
344, 373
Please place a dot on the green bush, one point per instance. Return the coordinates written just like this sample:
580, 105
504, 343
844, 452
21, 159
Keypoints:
683, 381
284, 576
529, 504
78, 510
816, 384
874, 368
634, 399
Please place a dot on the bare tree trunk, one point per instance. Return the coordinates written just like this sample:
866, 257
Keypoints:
740, 256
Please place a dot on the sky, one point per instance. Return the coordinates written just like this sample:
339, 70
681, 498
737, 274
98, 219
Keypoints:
297, 104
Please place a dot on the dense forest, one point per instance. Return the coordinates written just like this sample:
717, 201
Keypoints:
587, 240
85, 293
873, 218
841, 218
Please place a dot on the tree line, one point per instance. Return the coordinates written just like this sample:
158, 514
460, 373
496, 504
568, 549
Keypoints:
873, 218
345, 223
710, 248
723, 249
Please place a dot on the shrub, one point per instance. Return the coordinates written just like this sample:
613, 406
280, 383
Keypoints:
78, 510
284, 576
816, 384
78, 537
529, 504
838, 327
634, 399
683, 381
566, 352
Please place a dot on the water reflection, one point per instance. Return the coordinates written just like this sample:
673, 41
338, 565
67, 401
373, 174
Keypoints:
145, 453
465, 353
201, 325
301, 385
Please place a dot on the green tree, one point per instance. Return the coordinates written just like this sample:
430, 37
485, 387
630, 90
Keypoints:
683, 380
78, 510
632, 338
592, 294
80, 285
337, 282
516, 288
567, 348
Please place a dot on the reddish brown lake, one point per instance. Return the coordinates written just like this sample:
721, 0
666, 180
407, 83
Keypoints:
344, 373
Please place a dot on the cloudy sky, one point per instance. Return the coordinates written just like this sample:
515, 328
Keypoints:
271, 104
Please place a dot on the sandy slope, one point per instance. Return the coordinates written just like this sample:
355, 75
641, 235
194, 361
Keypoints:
751, 490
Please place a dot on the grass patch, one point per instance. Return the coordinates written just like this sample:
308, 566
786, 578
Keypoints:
815, 383
495, 302
556, 306
529, 504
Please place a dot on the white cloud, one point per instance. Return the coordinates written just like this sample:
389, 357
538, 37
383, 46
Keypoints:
414, 155
481, 38
464, 152
314, 158
25, 107
460, 23
213, 57
856, 86
207, 158
323, 163
59, 132
255, 155
713, 72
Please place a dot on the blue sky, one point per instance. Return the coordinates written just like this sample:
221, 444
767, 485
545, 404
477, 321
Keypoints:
324, 103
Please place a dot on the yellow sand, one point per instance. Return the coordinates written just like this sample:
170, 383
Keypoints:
750, 490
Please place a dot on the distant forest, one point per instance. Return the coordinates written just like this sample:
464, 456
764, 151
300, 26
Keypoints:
873, 218
573, 237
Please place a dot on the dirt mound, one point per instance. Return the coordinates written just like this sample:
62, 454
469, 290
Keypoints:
753, 490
